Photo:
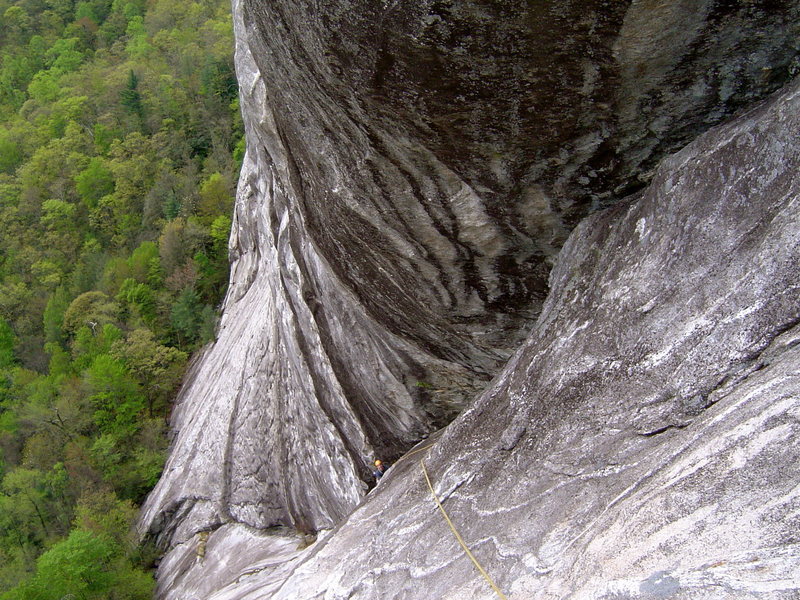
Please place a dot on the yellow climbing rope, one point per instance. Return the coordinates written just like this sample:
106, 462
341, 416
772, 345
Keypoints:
458, 536
407, 454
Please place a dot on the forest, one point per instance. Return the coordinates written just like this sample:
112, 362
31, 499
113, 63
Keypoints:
120, 144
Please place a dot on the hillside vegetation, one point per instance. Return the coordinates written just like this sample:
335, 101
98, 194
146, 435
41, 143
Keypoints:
119, 141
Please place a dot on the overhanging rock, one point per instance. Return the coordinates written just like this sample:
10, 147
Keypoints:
412, 171
643, 443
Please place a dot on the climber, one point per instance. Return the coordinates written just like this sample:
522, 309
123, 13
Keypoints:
379, 469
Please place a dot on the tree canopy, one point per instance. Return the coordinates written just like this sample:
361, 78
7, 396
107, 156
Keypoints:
120, 138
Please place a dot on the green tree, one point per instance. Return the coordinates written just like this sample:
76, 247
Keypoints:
53, 317
84, 565
141, 261
87, 10
57, 214
157, 368
220, 232
10, 153
115, 395
94, 182
36, 503
7, 342
216, 197
91, 343
185, 316
102, 513
91, 309
138, 45
140, 297
64, 56
17, 25
117, 121
130, 97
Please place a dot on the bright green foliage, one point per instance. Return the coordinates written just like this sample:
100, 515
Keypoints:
57, 214
140, 298
239, 150
156, 367
138, 45
141, 261
94, 182
44, 87
90, 343
216, 197
220, 231
78, 564
64, 56
90, 309
116, 397
84, 565
118, 124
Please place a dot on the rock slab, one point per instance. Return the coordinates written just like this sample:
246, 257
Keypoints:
643, 442
413, 169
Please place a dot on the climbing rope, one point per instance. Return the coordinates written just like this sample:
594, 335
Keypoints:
458, 536
407, 454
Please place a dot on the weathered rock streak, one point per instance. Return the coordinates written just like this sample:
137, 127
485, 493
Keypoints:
643, 443
412, 172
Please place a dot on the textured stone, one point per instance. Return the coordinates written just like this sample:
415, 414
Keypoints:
412, 171
234, 554
643, 443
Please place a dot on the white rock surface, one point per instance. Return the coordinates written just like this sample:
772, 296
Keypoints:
645, 441
390, 251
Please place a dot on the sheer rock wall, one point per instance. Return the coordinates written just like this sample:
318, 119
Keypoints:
644, 442
412, 170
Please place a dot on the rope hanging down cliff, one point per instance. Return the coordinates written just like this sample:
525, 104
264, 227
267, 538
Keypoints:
483, 572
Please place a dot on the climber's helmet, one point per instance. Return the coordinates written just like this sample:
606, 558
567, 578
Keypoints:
378, 463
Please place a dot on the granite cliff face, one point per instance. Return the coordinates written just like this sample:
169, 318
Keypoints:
413, 169
643, 443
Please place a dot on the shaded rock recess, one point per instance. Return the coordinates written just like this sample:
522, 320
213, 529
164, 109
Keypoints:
413, 170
